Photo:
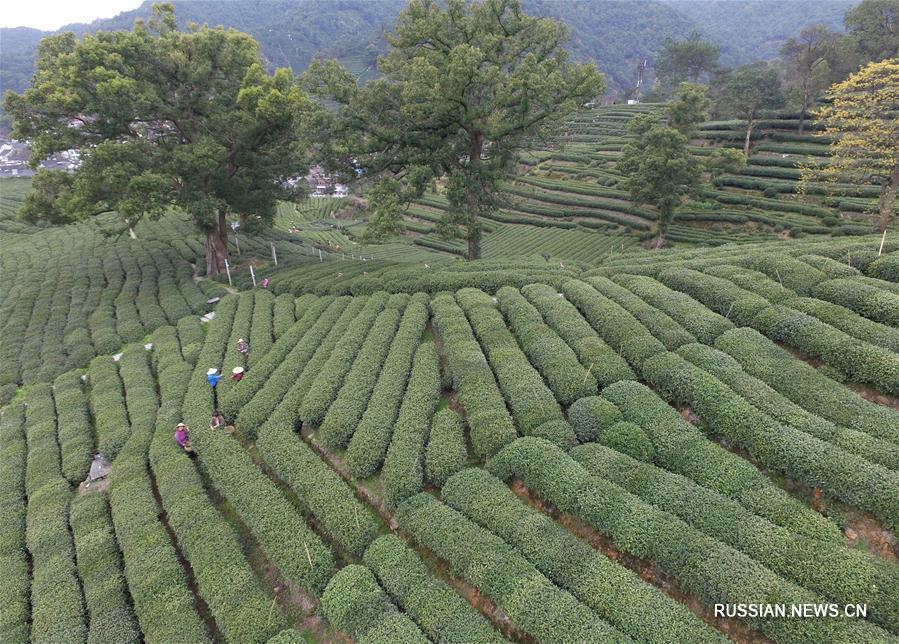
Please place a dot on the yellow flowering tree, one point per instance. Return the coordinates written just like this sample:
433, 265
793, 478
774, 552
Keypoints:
863, 121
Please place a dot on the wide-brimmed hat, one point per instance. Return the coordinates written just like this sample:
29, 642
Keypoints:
180, 425
211, 371
237, 370
240, 339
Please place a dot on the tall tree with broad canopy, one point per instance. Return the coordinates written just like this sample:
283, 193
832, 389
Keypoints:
686, 60
658, 169
164, 119
807, 65
861, 120
465, 86
873, 25
689, 108
747, 91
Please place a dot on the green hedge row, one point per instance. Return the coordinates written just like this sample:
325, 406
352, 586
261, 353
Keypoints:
591, 417
261, 327
519, 589
75, 435
107, 403
241, 609
488, 419
349, 404
718, 294
837, 572
614, 324
805, 386
297, 551
830, 266
869, 301
600, 359
792, 273
329, 378
277, 370
780, 448
240, 328
616, 594
403, 471
532, 404
695, 318
555, 360
848, 321
354, 603
683, 449
663, 327
767, 400
710, 570
100, 569
446, 453
440, 613
628, 438
859, 360
162, 600
14, 592
762, 203
284, 311
371, 438
752, 281
191, 337
57, 604
885, 267
272, 379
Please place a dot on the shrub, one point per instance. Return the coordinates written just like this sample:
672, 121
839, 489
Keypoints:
442, 614
719, 295
191, 337
601, 361
75, 431
354, 603
848, 321
348, 406
643, 530
829, 266
802, 384
446, 453
869, 301
629, 439
14, 592
681, 448
751, 281
110, 420
792, 273
489, 422
531, 402
780, 448
373, 432
546, 350
329, 378
260, 336
530, 600
284, 311
403, 468
669, 332
614, 592
591, 416
885, 267
695, 318
859, 360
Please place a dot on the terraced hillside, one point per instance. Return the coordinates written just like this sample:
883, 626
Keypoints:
571, 184
505, 451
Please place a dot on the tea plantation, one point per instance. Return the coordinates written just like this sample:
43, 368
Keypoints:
596, 444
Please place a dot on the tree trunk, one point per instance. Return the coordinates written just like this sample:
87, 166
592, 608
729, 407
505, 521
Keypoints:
473, 230
888, 198
749, 125
474, 245
217, 247
805, 102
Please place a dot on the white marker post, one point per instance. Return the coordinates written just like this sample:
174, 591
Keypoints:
320, 258
228, 271
253, 275
274, 254
882, 240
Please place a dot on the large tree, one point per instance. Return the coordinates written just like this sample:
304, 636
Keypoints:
807, 65
747, 91
861, 120
465, 86
164, 119
689, 108
874, 27
658, 169
686, 60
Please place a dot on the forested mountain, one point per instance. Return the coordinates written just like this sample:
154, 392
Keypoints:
617, 33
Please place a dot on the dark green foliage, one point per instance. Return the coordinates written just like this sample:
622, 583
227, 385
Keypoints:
373, 432
869, 301
599, 359
629, 439
403, 473
284, 312
14, 592
718, 294
261, 330
555, 360
643, 530
488, 420
191, 337
681, 448
447, 453
531, 600
354, 603
591, 417
849, 322
75, 432
100, 569
442, 614
615, 593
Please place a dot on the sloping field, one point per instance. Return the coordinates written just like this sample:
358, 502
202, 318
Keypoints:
499, 450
